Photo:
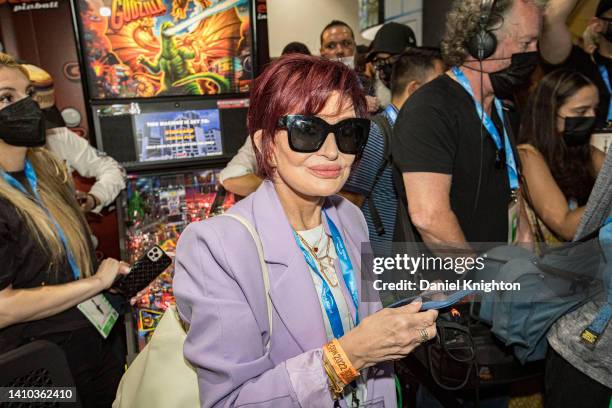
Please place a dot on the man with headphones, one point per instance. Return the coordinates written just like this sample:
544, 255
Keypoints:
451, 143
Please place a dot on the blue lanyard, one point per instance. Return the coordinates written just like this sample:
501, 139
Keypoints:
604, 315
33, 181
490, 126
606, 78
327, 298
391, 112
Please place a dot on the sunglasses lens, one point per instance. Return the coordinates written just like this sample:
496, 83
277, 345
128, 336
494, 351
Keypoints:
352, 136
306, 135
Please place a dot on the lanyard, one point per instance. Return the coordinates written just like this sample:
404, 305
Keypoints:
606, 78
391, 112
33, 181
490, 126
327, 298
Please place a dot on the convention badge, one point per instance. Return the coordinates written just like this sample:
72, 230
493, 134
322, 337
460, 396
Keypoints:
513, 219
100, 313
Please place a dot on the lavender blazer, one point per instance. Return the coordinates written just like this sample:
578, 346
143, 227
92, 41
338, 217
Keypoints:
219, 291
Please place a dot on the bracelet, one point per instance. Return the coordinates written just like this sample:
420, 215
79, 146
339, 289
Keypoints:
334, 387
95, 199
340, 362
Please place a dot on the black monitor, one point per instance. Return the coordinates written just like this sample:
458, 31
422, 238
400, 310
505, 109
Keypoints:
156, 134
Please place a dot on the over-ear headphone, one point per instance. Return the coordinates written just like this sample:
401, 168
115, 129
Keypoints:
483, 43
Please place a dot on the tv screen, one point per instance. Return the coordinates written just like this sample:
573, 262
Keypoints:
169, 133
152, 48
178, 135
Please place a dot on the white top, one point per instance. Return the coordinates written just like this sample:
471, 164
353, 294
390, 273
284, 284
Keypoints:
243, 163
317, 237
79, 155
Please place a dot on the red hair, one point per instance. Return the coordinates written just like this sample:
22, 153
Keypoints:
297, 84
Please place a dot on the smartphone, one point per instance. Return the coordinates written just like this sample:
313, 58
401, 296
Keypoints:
143, 272
439, 302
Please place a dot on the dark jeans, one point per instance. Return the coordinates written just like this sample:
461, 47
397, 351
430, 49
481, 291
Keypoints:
568, 387
95, 367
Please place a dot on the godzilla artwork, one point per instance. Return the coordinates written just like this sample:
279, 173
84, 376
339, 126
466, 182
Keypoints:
148, 48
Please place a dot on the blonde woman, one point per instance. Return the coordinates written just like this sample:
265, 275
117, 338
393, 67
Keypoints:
45, 249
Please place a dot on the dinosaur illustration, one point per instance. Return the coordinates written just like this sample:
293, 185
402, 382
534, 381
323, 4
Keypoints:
173, 63
192, 58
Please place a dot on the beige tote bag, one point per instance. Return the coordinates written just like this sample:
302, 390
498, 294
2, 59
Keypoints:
160, 377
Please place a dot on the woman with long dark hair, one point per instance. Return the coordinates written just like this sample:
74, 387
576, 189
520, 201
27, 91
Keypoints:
559, 171
559, 165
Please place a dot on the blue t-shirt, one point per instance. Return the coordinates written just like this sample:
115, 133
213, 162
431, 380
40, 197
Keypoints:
362, 178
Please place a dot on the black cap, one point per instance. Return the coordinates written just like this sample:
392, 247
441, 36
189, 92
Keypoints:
392, 38
604, 5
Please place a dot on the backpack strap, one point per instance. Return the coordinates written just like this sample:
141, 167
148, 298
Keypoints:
385, 127
264, 269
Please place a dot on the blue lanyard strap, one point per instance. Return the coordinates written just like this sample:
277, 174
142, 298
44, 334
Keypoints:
33, 182
606, 78
327, 298
592, 333
391, 112
492, 130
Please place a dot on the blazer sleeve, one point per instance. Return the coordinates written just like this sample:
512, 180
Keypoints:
226, 339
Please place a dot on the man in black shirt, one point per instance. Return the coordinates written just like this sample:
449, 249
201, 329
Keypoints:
456, 176
556, 48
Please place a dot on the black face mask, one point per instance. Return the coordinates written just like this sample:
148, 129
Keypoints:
521, 67
23, 124
578, 130
384, 69
384, 73
53, 118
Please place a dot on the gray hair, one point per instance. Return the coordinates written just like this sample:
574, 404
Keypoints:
462, 24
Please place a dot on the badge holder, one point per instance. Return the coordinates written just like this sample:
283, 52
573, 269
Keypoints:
100, 313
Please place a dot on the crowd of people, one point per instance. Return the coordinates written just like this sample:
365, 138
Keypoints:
454, 155
397, 143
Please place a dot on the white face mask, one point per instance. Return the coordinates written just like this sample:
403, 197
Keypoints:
348, 61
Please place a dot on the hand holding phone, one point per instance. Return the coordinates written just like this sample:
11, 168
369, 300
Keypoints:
145, 270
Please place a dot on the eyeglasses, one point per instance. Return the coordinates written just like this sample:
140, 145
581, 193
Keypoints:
308, 133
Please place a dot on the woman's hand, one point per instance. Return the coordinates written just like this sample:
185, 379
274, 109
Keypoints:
87, 201
389, 334
109, 270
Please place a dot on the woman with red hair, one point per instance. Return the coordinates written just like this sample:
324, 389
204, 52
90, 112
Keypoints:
329, 346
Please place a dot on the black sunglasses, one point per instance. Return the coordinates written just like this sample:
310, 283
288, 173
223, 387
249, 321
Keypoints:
308, 133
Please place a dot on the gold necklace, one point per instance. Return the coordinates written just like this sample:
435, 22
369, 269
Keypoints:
331, 279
